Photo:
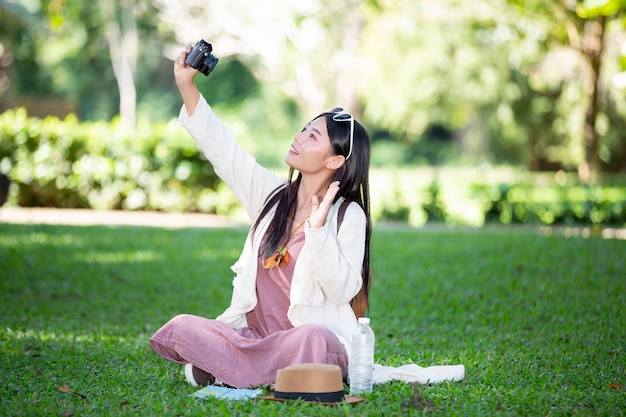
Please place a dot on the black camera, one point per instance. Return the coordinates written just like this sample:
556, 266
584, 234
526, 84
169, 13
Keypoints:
201, 58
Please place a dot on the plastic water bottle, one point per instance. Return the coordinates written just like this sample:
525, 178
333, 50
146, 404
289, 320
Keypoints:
361, 366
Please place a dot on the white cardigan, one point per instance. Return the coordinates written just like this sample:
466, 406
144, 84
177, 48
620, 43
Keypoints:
327, 274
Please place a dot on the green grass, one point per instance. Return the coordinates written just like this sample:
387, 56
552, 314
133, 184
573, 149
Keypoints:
537, 320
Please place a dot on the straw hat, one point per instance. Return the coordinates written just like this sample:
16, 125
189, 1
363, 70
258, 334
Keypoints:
316, 382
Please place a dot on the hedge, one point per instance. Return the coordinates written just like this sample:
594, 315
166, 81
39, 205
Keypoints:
99, 165
577, 204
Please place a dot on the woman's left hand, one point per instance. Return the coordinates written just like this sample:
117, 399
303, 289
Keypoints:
319, 211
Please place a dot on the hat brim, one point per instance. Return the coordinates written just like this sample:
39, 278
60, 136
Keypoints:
350, 399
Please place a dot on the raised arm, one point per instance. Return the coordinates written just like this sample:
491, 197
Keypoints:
250, 182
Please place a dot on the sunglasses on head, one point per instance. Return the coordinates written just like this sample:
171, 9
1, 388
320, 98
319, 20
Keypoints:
341, 116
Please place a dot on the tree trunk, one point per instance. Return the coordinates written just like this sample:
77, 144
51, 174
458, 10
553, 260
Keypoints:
621, 150
593, 47
122, 38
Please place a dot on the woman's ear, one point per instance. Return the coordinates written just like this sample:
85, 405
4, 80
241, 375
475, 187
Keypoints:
335, 162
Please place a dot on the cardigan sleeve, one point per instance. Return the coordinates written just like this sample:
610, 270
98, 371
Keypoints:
248, 180
333, 260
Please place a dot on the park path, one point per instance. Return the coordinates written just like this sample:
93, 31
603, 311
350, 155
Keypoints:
86, 217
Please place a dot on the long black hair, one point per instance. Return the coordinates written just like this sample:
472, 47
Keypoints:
353, 177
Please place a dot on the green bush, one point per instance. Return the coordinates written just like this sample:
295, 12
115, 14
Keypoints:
554, 205
99, 165
435, 208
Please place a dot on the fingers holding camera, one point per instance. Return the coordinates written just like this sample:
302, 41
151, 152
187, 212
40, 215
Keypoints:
183, 56
182, 71
180, 60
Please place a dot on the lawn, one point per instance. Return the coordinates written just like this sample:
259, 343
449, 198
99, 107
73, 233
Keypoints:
538, 320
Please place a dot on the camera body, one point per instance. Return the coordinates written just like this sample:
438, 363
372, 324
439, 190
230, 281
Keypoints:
201, 58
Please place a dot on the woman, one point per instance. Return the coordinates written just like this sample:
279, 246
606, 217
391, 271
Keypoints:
305, 258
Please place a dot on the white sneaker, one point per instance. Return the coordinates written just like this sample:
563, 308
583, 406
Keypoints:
197, 377
189, 375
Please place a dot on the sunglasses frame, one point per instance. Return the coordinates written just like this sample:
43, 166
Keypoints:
339, 115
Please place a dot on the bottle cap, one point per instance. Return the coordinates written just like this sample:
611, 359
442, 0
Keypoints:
364, 320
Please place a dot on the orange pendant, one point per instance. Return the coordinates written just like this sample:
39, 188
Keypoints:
279, 259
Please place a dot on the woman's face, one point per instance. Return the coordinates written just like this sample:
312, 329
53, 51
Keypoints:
311, 149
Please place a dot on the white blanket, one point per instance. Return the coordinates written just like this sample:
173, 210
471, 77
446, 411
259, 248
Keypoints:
415, 373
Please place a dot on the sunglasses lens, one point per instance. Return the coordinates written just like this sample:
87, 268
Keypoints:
342, 116
334, 110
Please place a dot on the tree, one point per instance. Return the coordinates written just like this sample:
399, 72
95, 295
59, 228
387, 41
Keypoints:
590, 40
122, 35
510, 71
582, 26
308, 48
504, 75
18, 29
75, 49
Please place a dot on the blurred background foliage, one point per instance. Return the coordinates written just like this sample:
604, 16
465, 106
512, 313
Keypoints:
467, 85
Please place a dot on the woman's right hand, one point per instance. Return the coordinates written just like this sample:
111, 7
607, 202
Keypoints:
184, 75
319, 211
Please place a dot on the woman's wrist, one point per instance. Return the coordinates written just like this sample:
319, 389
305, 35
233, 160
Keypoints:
185, 84
313, 226
191, 97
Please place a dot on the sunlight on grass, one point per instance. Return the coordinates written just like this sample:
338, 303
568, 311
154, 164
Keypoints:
66, 337
13, 240
585, 232
118, 257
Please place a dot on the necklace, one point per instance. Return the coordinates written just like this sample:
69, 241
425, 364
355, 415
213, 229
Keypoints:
281, 257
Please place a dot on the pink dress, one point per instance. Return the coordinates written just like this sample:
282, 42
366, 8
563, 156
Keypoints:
250, 356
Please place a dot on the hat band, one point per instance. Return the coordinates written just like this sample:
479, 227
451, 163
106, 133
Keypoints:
322, 397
